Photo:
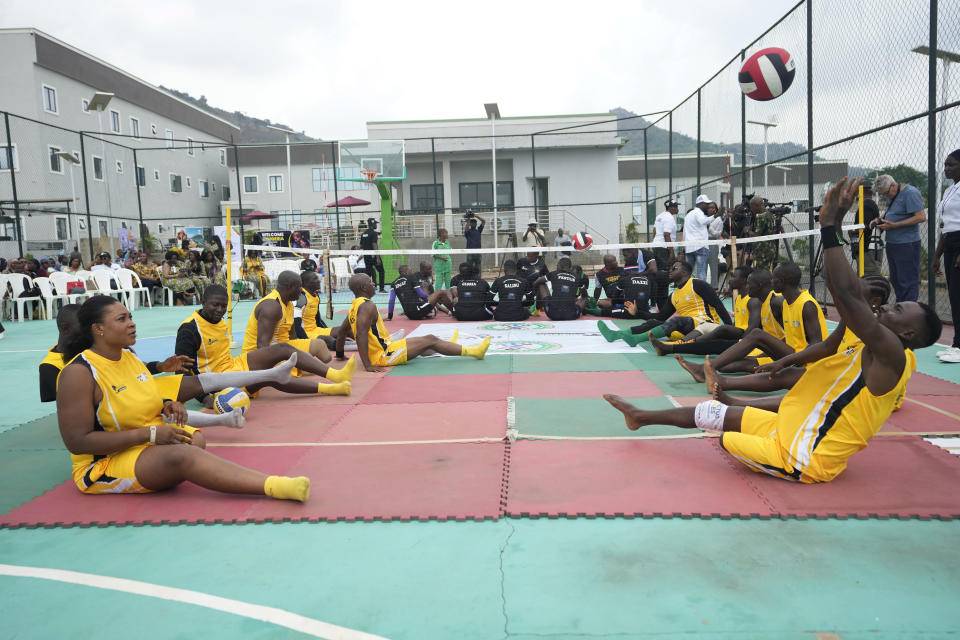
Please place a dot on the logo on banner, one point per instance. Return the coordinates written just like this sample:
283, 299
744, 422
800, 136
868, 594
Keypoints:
517, 326
523, 346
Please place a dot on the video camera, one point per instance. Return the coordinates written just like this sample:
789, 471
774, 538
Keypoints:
469, 214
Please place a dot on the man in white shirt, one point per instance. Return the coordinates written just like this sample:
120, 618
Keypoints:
715, 230
105, 264
695, 233
665, 227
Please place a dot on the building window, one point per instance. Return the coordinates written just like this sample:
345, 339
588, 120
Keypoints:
225, 192
8, 153
250, 184
651, 205
188, 182
84, 105
49, 99
134, 127
426, 197
169, 139
323, 180
141, 177
61, 228
104, 232
636, 196
480, 194
56, 164
223, 157
204, 188
120, 167
175, 185
114, 121
97, 168
276, 183
189, 146
156, 175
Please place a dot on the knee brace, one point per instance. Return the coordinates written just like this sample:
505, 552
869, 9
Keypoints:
709, 416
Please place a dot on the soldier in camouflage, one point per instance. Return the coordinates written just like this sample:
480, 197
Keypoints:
765, 254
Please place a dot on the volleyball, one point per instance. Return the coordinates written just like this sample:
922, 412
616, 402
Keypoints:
767, 74
231, 399
582, 241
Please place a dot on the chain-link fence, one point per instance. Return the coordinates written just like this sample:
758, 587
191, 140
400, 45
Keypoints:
872, 93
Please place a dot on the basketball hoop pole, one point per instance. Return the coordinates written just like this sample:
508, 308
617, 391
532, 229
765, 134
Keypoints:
228, 258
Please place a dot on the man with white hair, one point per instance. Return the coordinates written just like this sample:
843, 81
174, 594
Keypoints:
904, 212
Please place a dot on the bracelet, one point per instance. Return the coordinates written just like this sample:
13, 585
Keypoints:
830, 237
153, 434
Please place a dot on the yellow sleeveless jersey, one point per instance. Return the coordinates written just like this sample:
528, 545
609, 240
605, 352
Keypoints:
378, 338
741, 317
793, 321
309, 316
280, 334
835, 413
131, 397
767, 319
213, 355
688, 303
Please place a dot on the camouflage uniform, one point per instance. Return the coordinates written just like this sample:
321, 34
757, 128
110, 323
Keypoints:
765, 254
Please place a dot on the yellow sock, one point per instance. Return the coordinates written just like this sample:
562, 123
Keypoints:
676, 335
455, 336
344, 374
284, 488
334, 389
478, 351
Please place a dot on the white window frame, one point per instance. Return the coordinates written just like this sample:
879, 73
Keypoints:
172, 174
135, 134
243, 180
114, 112
136, 175
200, 185
93, 166
66, 226
99, 228
84, 105
16, 158
50, 148
168, 136
270, 188
56, 99
223, 157
156, 175
190, 151
119, 167
76, 154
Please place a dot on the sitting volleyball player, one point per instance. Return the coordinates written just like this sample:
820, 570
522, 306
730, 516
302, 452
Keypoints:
307, 322
694, 302
364, 324
471, 295
416, 302
841, 401
563, 292
204, 338
112, 417
513, 294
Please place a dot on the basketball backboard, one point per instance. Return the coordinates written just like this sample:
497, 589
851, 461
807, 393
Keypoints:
386, 157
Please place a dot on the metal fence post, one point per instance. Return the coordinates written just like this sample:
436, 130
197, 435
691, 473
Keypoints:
811, 253
533, 164
336, 193
13, 185
236, 163
136, 179
433, 164
743, 136
86, 195
646, 186
698, 141
932, 194
670, 155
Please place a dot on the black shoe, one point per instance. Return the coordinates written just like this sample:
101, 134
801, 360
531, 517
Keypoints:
382, 291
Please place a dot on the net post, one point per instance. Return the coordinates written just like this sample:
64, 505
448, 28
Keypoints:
733, 262
228, 257
862, 236
326, 270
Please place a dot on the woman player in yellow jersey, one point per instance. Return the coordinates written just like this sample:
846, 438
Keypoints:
112, 417
841, 401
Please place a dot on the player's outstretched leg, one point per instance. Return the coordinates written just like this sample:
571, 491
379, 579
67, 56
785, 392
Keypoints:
636, 418
198, 419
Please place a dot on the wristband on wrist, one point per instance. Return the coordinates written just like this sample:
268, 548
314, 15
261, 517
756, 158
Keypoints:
153, 434
830, 237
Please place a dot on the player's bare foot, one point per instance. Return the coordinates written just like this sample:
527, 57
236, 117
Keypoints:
631, 415
658, 346
710, 376
722, 396
695, 370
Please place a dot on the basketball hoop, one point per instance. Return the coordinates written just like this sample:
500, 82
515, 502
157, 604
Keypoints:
369, 175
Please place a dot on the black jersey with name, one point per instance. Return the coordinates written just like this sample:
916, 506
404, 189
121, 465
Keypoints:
473, 299
565, 286
513, 293
531, 270
635, 286
405, 286
610, 281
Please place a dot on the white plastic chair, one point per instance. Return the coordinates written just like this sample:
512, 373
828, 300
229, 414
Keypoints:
49, 294
104, 280
87, 277
341, 271
131, 285
61, 284
18, 284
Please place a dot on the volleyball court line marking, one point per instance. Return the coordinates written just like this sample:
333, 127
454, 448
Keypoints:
933, 408
673, 401
352, 444
271, 615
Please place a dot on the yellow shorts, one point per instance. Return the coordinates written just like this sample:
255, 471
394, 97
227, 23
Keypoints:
301, 343
237, 364
320, 331
757, 444
761, 357
168, 385
395, 354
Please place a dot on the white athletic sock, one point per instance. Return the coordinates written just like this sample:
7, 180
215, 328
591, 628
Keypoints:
199, 419
280, 374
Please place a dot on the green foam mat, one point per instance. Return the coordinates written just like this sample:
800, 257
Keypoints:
928, 363
585, 417
447, 366
28, 473
38, 434
572, 362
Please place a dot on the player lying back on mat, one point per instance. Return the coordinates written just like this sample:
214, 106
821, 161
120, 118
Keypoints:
111, 416
841, 401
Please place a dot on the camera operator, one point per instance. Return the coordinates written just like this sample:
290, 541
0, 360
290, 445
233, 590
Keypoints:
870, 235
765, 253
533, 236
472, 231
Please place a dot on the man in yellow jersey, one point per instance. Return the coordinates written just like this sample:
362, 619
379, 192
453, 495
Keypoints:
272, 320
205, 339
803, 325
841, 401
364, 324
695, 303
746, 316
309, 324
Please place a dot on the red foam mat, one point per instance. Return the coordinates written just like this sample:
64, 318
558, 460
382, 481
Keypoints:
916, 417
361, 384
923, 384
585, 384
459, 481
282, 421
430, 421
431, 389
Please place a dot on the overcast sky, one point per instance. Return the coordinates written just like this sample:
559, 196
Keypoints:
329, 67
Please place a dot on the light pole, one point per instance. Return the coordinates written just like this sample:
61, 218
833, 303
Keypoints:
785, 170
493, 112
749, 164
99, 101
766, 127
947, 57
286, 134
73, 161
